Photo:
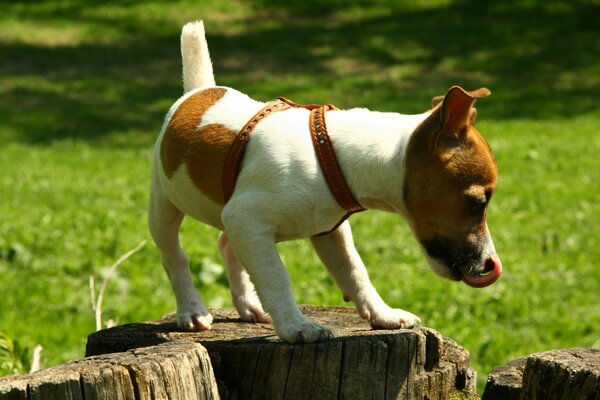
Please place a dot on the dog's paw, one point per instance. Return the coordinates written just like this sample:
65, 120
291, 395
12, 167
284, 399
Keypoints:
390, 318
307, 332
250, 309
194, 321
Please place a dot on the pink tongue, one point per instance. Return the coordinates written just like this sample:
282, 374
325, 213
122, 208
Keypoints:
479, 281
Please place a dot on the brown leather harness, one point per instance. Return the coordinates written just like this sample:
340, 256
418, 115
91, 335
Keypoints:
321, 143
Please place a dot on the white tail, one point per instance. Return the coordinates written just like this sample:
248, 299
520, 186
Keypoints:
197, 67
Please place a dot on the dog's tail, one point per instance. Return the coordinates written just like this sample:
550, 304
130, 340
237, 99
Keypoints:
197, 67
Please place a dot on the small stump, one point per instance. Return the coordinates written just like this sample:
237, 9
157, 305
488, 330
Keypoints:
175, 370
553, 375
249, 361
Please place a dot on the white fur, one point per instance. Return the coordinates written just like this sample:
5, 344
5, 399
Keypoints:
280, 194
197, 67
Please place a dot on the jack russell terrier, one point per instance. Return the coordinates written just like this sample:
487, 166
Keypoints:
267, 172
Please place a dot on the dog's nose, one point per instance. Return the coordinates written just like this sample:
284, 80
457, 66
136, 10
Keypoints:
489, 265
491, 272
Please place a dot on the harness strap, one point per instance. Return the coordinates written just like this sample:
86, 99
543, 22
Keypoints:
238, 147
329, 162
321, 143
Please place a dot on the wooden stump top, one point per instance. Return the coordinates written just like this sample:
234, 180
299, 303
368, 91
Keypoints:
250, 361
227, 326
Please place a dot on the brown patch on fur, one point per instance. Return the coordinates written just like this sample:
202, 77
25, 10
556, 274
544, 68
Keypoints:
443, 169
204, 150
206, 159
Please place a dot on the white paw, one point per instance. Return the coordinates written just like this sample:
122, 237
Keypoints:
194, 320
250, 309
307, 332
390, 318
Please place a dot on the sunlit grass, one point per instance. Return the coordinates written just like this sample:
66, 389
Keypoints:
83, 90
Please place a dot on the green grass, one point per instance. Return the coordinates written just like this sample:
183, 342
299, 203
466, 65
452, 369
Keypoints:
84, 87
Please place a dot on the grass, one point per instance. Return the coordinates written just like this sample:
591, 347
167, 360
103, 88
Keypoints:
84, 87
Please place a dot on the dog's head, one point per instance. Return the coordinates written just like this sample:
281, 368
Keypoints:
450, 178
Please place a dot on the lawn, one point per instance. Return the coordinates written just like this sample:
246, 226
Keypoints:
84, 87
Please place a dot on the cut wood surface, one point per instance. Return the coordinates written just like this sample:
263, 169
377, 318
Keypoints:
178, 370
565, 374
250, 362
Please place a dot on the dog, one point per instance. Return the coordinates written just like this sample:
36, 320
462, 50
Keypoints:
434, 169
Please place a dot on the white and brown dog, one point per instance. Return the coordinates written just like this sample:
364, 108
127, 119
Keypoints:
435, 169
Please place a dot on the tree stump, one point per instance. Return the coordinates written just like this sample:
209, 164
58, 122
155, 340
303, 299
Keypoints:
554, 375
250, 362
178, 370
505, 382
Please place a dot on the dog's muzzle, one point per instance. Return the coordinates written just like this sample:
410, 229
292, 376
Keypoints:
464, 264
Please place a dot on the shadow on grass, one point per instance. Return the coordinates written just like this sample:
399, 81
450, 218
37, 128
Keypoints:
539, 59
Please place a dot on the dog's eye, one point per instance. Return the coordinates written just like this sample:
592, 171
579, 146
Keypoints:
477, 204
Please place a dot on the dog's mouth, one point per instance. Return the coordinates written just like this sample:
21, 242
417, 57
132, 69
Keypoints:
466, 267
490, 274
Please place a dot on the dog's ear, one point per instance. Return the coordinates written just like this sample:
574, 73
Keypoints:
457, 111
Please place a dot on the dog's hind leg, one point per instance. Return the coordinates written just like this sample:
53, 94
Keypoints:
242, 289
337, 251
164, 220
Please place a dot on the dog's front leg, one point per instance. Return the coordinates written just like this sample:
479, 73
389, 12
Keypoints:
255, 249
337, 251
